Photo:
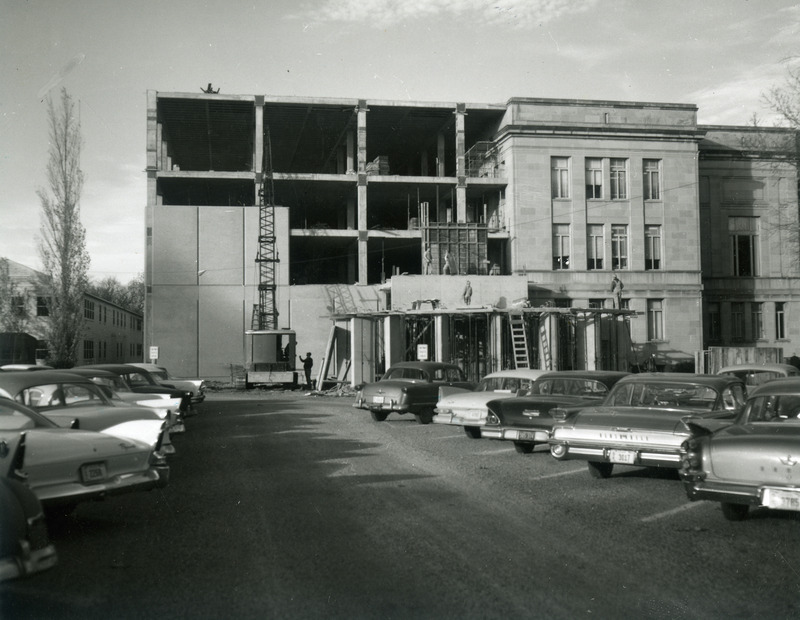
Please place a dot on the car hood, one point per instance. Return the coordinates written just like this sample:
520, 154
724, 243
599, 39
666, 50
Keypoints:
756, 453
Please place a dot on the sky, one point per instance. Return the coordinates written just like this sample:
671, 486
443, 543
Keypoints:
721, 55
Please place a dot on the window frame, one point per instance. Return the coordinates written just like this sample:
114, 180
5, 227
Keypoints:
653, 251
618, 172
651, 179
595, 247
619, 247
744, 239
594, 172
560, 177
655, 320
561, 244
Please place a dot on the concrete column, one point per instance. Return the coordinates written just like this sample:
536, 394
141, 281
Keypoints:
591, 334
393, 340
442, 325
361, 155
496, 341
258, 142
461, 169
351, 169
440, 155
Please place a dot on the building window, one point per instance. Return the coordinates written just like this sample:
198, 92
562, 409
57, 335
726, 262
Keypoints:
651, 179
561, 246
88, 309
780, 320
596, 246
596, 304
42, 306
737, 320
652, 247
594, 177
714, 331
88, 350
744, 245
559, 170
619, 179
619, 246
757, 320
655, 319
18, 305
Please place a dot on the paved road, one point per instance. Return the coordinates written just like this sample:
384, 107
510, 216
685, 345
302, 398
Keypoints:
283, 505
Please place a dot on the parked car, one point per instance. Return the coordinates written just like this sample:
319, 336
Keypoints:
754, 462
114, 386
197, 387
757, 374
72, 401
141, 381
644, 420
64, 467
528, 420
410, 387
467, 408
25, 546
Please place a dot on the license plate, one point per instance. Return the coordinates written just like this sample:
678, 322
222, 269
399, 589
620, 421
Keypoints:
520, 435
378, 400
782, 499
623, 457
93, 472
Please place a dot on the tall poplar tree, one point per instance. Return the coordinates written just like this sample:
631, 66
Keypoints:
62, 244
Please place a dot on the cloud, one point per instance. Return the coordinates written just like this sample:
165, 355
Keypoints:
383, 13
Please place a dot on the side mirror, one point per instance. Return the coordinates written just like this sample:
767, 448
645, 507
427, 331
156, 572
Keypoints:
75, 424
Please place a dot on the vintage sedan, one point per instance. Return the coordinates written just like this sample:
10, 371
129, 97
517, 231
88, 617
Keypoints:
141, 381
197, 387
25, 546
410, 387
757, 374
119, 392
467, 408
754, 462
528, 420
64, 467
645, 420
72, 401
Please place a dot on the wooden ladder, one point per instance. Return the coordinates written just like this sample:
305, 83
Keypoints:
519, 340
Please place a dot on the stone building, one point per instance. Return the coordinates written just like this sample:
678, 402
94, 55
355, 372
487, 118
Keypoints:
539, 203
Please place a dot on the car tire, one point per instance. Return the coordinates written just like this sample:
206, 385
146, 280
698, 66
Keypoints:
379, 416
473, 432
600, 469
424, 417
523, 447
734, 512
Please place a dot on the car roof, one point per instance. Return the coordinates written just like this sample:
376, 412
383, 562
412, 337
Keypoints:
785, 385
16, 380
519, 373
424, 365
91, 372
596, 375
716, 381
116, 368
788, 368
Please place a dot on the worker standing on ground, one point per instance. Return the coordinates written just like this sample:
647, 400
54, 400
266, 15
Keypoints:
308, 364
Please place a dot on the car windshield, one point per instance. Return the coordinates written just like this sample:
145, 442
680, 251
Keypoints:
774, 408
61, 395
658, 394
139, 379
585, 388
503, 384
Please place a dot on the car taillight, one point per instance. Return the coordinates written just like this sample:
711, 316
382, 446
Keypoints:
157, 459
691, 457
559, 414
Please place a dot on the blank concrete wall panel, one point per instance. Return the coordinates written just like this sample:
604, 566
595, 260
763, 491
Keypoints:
175, 245
223, 315
221, 251
174, 321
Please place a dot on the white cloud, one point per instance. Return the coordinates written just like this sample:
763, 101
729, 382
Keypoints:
383, 13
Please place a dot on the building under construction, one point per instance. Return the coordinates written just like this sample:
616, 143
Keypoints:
351, 229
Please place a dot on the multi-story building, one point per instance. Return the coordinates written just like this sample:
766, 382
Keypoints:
112, 334
384, 210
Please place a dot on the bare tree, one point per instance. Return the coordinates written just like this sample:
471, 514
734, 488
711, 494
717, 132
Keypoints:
135, 294
62, 245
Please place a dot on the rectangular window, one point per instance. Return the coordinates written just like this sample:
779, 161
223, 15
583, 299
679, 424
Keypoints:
596, 304
559, 171
18, 305
42, 306
619, 179
595, 246
88, 350
619, 246
655, 319
651, 179
737, 320
594, 177
780, 320
652, 247
88, 309
744, 245
757, 320
561, 246
714, 331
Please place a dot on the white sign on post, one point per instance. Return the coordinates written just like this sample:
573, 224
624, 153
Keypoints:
422, 352
154, 353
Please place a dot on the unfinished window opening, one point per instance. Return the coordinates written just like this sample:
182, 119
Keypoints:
207, 192
318, 204
322, 260
389, 256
